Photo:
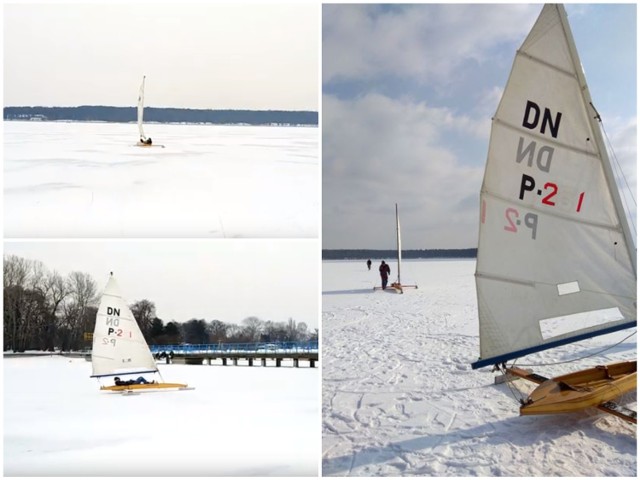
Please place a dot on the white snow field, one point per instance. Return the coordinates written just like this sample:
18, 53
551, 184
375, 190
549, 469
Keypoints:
64, 179
239, 421
399, 396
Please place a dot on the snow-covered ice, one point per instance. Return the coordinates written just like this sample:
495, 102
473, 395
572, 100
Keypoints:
239, 421
89, 180
399, 396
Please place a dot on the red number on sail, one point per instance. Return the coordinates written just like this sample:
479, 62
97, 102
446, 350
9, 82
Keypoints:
554, 189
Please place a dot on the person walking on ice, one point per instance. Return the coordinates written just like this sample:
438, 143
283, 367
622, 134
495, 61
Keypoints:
385, 271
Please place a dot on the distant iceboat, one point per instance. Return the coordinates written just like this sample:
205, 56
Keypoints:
397, 285
144, 140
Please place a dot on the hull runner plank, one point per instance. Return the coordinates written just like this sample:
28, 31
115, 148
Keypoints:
143, 386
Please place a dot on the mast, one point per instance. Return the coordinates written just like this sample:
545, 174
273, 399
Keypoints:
594, 120
398, 243
141, 109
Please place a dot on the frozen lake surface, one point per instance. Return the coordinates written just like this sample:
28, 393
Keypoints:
399, 396
89, 180
239, 421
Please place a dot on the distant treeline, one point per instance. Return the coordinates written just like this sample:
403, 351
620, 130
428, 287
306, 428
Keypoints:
45, 311
162, 115
391, 254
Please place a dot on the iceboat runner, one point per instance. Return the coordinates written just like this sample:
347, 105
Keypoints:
555, 247
119, 348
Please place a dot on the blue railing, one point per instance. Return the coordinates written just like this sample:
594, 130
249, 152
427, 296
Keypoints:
261, 347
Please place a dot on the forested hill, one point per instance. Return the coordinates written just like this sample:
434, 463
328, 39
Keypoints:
391, 254
162, 115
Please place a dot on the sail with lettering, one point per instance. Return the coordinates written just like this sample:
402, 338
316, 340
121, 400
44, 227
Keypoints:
119, 347
556, 258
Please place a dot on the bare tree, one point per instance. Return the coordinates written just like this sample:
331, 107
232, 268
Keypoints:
55, 290
252, 328
234, 332
314, 337
217, 331
15, 273
144, 311
292, 330
26, 312
302, 334
195, 331
75, 321
274, 332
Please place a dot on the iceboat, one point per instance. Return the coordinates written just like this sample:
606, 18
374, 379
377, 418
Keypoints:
119, 348
555, 247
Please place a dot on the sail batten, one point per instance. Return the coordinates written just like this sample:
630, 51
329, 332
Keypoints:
550, 211
541, 61
550, 141
615, 228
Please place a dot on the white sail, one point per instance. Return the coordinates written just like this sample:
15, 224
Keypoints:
118, 344
554, 241
141, 109
398, 243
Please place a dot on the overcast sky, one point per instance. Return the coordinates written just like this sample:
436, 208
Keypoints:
408, 96
227, 280
232, 55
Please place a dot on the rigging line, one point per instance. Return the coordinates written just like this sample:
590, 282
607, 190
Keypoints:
624, 177
615, 157
579, 358
510, 380
620, 170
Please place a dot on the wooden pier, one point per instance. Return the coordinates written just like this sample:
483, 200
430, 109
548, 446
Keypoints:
250, 359
249, 354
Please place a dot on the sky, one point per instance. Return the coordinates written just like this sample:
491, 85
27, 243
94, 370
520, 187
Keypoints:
227, 280
408, 92
204, 55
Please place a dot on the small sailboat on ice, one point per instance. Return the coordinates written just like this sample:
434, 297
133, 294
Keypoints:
397, 285
556, 258
144, 140
119, 348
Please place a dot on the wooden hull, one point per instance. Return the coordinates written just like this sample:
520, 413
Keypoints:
579, 390
143, 386
139, 144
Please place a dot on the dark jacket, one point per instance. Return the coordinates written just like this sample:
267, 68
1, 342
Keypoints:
384, 269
